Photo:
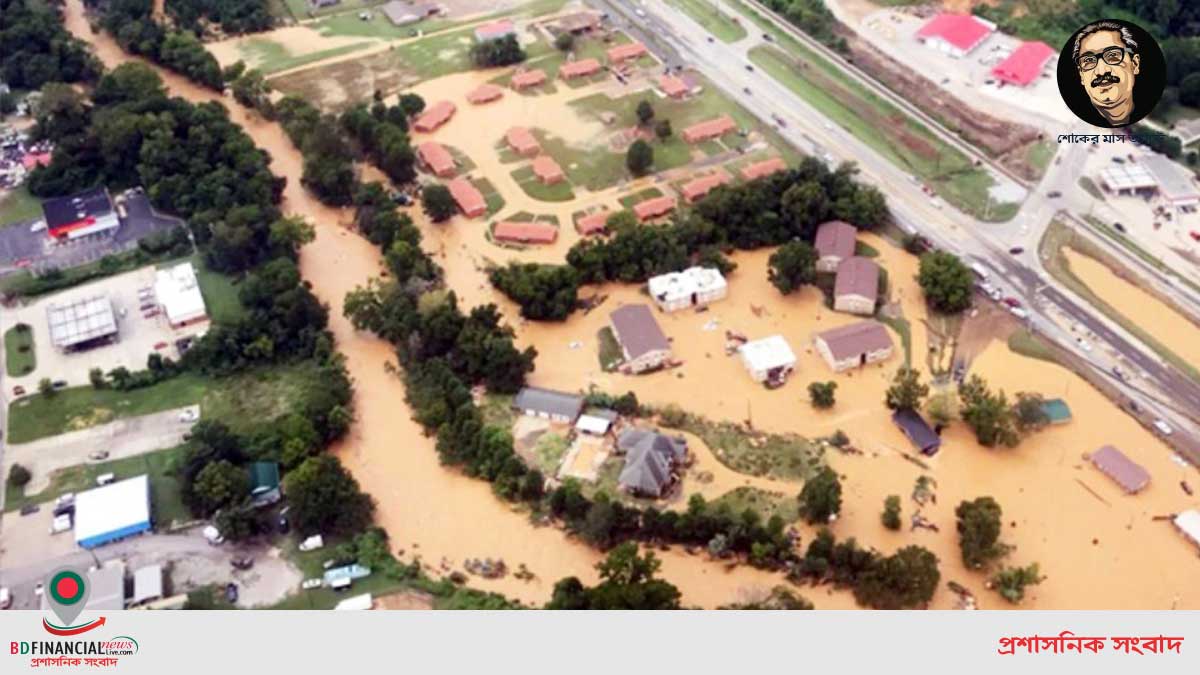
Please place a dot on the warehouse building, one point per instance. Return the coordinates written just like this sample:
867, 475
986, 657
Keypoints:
768, 360
556, 406
856, 288
1025, 64
82, 324
834, 243
695, 286
79, 215
179, 296
112, 512
764, 168
1175, 183
655, 207
642, 342
955, 34
854, 345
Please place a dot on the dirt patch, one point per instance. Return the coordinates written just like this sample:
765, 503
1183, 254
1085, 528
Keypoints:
335, 86
978, 331
405, 600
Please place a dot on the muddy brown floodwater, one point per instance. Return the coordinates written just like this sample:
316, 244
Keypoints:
1097, 554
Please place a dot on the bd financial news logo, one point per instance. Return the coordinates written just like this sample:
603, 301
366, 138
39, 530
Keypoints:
66, 592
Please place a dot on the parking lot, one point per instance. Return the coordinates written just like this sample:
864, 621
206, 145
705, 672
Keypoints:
137, 334
26, 246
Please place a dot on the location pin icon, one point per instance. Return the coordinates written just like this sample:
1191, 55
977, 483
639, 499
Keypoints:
67, 590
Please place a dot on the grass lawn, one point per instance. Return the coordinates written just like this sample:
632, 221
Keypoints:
1039, 154
766, 504
220, 293
649, 193
1056, 238
19, 206
302, 9
883, 127
498, 411
161, 466
558, 192
904, 329
242, 401
1026, 343
271, 57
490, 195
781, 456
19, 356
549, 452
610, 353
719, 23
1089, 186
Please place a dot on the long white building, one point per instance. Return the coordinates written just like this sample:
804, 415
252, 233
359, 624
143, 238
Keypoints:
695, 286
178, 293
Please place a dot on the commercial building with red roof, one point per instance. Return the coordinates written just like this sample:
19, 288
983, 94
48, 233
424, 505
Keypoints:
654, 208
484, 93
581, 68
955, 34
710, 129
528, 78
622, 53
525, 233
763, 168
547, 170
672, 86
435, 116
522, 142
1025, 64
469, 199
593, 223
695, 189
436, 158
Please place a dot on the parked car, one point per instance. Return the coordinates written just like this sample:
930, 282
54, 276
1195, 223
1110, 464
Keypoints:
5, 597
1018, 312
60, 384
1012, 302
1084, 344
1119, 227
242, 563
746, 90
18, 390
1017, 250
1163, 428
160, 345
1054, 194
231, 592
60, 524
312, 543
105, 478
29, 509
1118, 160
309, 584
65, 499
1193, 234
189, 415
38, 590
710, 39
213, 535
1134, 407
749, 68
98, 455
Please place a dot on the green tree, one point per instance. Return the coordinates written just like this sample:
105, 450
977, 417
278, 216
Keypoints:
905, 580
8, 103
411, 104
805, 205
645, 112
791, 266
504, 51
438, 203
891, 512
627, 581
564, 42
1189, 90
639, 158
18, 476
907, 391
978, 527
662, 129
821, 496
325, 498
946, 282
988, 414
1030, 411
46, 388
218, 485
239, 522
942, 408
1011, 582
289, 234
821, 394
544, 292
96, 377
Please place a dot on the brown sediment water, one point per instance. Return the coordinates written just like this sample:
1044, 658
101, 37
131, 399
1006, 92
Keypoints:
439, 514
1167, 326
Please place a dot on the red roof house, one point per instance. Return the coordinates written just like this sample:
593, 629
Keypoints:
547, 170
672, 86
484, 93
763, 168
1024, 65
528, 78
697, 188
710, 129
469, 199
955, 34
437, 158
622, 53
574, 69
594, 223
654, 207
495, 30
525, 233
435, 116
522, 142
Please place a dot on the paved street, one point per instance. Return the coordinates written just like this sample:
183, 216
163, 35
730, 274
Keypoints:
680, 40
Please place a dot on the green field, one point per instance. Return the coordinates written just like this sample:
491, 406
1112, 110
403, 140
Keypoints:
220, 294
19, 356
766, 504
301, 9
885, 128
161, 466
720, 23
628, 201
18, 206
1027, 344
271, 57
558, 192
243, 401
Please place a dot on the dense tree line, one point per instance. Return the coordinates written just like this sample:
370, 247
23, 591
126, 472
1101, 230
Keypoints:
232, 16
544, 292
812, 17
132, 23
37, 48
504, 51
382, 134
627, 581
946, 281
328, 157
906, 579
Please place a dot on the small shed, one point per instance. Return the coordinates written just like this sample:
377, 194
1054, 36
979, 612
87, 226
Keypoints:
595, 425
264, 483
770, 358
923, 437
147, 584
1057, 411
1123, 471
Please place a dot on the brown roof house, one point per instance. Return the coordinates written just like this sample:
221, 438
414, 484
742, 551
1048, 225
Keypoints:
764, 168
435, 116
469, 199
528, 78
547, 170
525, 233
698, 188
593, 223
651, 461
522, 142
835, 242
484, 93
654, 207
857, 286
709, 129
580, 22
576, 69
673, 87
436, 158
1122, 470
642, 342
854, 345
622, 53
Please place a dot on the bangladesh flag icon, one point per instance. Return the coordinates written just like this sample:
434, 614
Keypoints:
67, 592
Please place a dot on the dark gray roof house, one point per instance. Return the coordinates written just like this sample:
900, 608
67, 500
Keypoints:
548, 403
918, 431
673, 448
646, 473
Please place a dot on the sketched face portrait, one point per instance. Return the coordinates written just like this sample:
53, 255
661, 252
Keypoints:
1115, 73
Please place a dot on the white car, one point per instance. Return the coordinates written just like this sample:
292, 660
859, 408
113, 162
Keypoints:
1084, 344
61, 524
309, 584
189, 415
1019, 312
1162, 426
5, 597
312, 543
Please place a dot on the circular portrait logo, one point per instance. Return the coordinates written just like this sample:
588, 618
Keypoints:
1111, 73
